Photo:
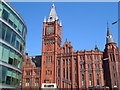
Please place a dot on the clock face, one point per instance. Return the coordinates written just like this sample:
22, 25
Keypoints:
50, 30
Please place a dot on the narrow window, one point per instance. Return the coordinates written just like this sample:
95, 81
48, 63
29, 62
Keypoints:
83, 78
37, 82
67, 49
90, 79
5, 15
98, 83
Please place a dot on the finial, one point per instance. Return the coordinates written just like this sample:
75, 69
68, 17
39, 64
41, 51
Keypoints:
60, 23
45, 19
96, 47
26, 52
53, 3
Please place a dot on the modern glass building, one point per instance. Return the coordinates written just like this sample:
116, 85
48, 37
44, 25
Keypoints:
12, 42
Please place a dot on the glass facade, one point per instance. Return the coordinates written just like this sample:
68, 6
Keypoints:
12, 42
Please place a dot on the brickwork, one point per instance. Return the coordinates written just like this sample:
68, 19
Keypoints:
68, 68
31, 74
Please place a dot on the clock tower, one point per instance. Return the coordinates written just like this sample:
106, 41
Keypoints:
51, 44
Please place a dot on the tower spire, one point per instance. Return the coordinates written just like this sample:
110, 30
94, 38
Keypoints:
96, 47
53, 15
109, 38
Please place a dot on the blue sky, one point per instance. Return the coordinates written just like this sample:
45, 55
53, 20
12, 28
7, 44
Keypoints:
84, 23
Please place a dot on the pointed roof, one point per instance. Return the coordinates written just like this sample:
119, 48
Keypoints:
109, 38
108, 32
53, 15
96, 47
26, 52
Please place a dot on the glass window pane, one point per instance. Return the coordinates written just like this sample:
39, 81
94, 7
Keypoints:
9, 72
14, 74
0, 74
1, 8
4, 71
16, 55
12, 54
20, 28
0, 29
5, 54
1, 50
16, 22
13, 38
18, 40
17, 45
11, 19
23, 31
3, 30
8, 35
5, 15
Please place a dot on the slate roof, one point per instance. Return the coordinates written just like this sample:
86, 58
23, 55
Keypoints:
37, 60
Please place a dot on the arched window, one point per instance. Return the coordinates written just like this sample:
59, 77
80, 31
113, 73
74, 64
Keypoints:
27, 82
90, 79
63, 62
48, 59
66, 73
112, 57
83, 79
58, 62
58, 72
67, 49
36, 81
98, 82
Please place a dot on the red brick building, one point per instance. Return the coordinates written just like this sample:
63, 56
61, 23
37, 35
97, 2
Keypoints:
67, 68
31, 72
